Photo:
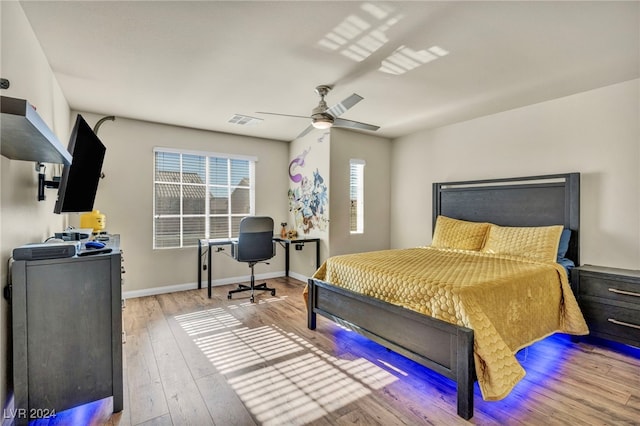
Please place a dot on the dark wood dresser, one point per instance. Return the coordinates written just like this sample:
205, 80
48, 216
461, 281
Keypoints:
610, 301
67, 334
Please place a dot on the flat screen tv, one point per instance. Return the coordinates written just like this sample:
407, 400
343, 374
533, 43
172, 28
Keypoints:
79, 181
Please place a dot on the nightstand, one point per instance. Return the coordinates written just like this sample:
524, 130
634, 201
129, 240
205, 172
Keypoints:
610, 301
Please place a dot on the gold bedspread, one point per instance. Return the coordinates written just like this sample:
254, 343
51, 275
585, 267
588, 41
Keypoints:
509, 302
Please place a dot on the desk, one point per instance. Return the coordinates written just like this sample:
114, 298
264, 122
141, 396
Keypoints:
286, 243
215, 242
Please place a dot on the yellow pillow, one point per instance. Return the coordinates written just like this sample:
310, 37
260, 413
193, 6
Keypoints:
535, 242
459, 234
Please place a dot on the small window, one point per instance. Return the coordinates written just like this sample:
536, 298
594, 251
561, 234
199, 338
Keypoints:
199, 195
356, 189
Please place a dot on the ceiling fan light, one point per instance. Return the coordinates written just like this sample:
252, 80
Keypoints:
321, 123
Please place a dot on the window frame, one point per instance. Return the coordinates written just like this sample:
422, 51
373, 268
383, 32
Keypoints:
359, 165
208, 185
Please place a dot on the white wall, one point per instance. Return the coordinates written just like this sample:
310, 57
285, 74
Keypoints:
125, 196
315, 150
595, 133
329, 152
376, 152
22, 218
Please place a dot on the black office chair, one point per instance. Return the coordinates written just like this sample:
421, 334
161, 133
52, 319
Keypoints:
255, 244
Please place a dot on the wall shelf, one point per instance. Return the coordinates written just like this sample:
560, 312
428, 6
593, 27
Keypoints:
25, 136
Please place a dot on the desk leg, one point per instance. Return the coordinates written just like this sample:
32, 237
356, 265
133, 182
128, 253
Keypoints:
199, 265
209, 272
286, 259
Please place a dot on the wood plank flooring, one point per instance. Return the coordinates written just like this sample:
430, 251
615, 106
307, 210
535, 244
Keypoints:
190, 360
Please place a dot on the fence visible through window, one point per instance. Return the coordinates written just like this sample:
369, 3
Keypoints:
199, 195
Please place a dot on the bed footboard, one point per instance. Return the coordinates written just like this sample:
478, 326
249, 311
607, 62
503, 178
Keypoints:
442, 347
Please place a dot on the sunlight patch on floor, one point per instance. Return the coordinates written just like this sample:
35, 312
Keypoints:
207, 321
297, 390
280, 377
241, 348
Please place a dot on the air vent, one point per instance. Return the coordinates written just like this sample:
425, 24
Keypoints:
244, 120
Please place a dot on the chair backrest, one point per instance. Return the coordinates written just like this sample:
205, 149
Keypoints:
255, 241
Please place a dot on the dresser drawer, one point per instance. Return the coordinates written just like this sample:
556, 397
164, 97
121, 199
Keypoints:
610, 301
612, 321
609, 287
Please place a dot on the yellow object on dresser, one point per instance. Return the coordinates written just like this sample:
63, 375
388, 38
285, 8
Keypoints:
95, 220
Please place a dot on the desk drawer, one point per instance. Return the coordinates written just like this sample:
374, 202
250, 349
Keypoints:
606, 287
612, 321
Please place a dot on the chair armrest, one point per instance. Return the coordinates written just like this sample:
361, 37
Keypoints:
234, 249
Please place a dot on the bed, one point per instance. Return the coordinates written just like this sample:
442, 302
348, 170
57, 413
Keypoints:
450, 347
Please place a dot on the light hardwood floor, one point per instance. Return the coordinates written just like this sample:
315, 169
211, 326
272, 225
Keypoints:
190, 360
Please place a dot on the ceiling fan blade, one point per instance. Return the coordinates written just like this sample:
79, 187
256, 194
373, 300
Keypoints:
305, 131
283, 115
341, 122
338, 109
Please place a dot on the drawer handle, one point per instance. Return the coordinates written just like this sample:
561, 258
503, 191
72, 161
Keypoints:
626, 293
626, 324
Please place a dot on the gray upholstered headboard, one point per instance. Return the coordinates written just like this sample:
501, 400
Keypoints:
525, 201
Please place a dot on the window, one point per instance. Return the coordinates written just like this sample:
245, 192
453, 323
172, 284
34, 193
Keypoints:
199, 195
356, 189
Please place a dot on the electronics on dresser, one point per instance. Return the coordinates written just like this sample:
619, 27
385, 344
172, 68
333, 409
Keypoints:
40, 251
94, 245
74, 235
92, 251
102, 236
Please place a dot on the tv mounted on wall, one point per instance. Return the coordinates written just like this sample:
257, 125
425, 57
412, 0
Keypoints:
79, 182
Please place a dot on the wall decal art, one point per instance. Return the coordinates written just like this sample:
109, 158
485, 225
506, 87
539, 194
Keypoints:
308, 203
322, 138
295, 163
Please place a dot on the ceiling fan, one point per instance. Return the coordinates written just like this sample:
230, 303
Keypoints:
323, 117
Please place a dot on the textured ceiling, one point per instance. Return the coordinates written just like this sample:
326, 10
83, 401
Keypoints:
417, 64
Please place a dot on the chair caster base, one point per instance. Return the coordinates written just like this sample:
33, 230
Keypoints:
242, 287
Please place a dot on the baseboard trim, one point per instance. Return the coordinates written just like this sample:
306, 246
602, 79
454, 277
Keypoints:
193, 285
300, 277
